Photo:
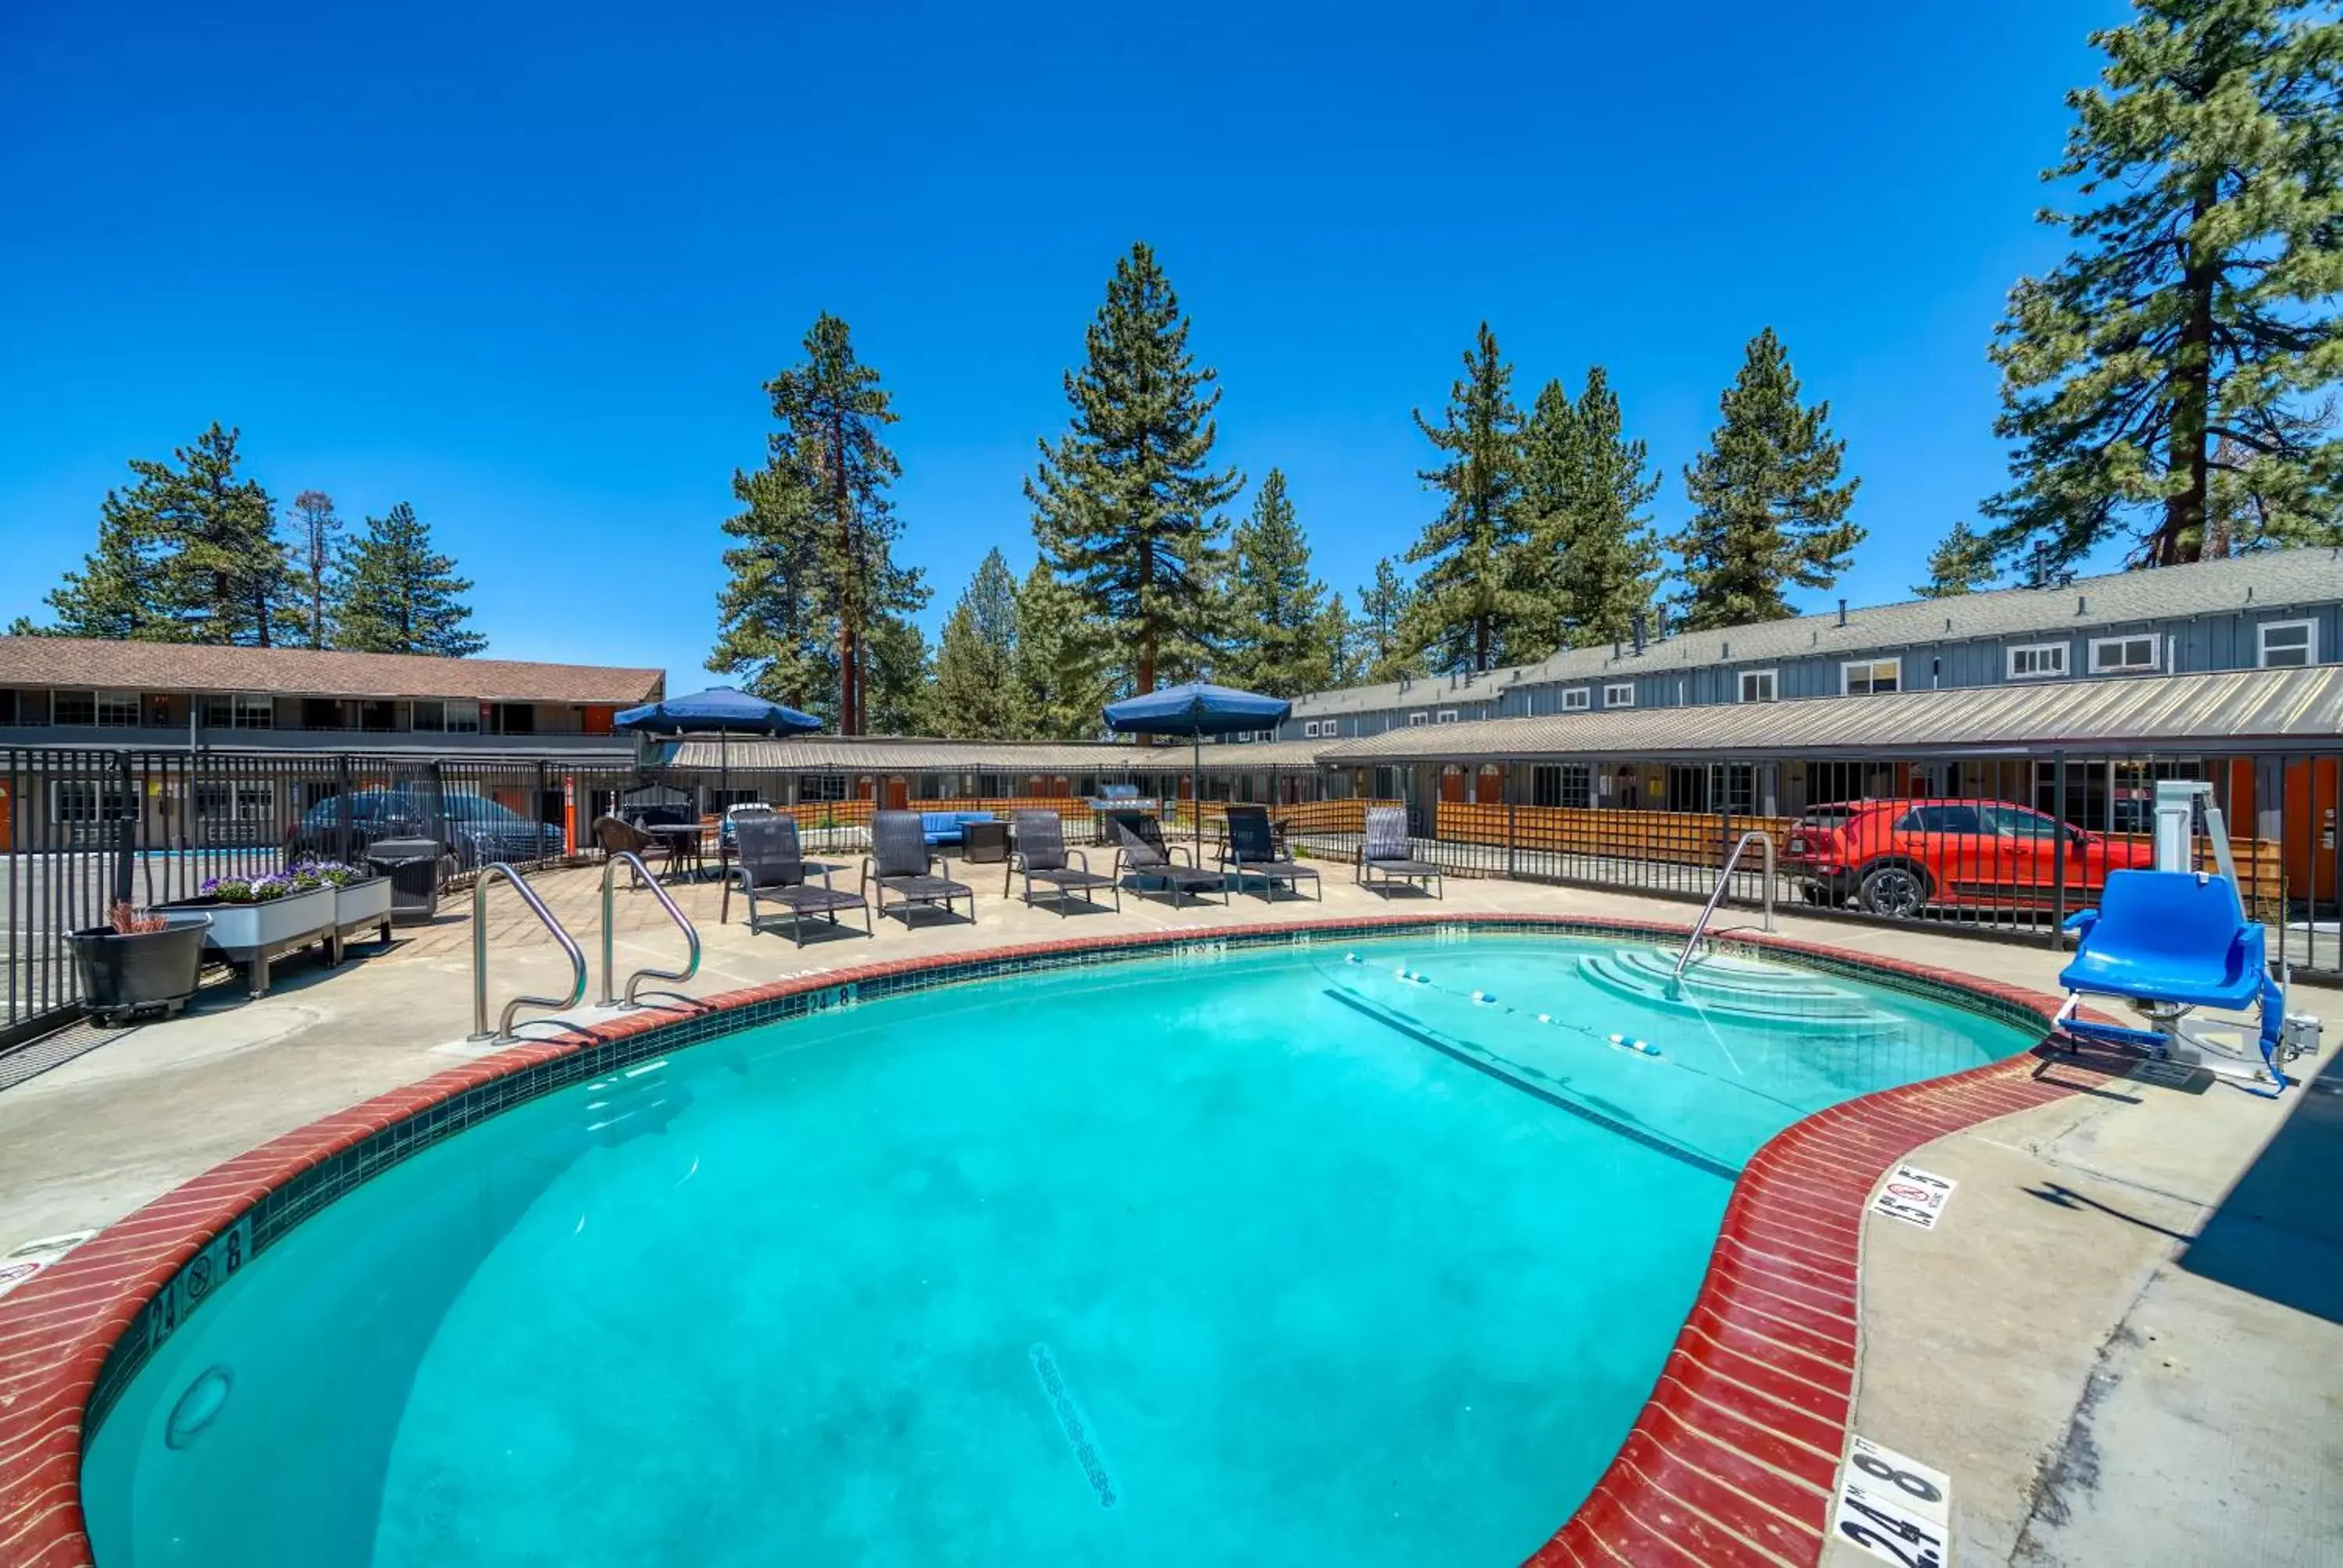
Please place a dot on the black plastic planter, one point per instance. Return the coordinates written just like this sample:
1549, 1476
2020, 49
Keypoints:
124, 975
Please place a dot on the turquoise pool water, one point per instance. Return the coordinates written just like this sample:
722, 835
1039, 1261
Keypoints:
1268, 1258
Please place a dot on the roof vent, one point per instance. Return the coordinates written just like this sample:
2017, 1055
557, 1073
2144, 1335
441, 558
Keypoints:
2081, 604
2249, 593
1842, 612
1948, 623
1727, 653
1638, 628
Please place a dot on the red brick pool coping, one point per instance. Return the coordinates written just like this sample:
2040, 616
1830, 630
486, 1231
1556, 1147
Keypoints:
1731, 1460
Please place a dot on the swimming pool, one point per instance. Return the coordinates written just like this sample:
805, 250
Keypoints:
1290, 1252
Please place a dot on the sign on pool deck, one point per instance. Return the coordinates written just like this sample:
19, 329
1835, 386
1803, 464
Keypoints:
1914, 1196
1894, 1508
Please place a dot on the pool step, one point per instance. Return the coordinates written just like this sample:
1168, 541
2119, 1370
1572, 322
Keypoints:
1735, 989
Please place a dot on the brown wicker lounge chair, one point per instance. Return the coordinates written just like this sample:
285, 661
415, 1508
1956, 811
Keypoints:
772, 866
1040, 854
1253, 851
902, 866
1142, 854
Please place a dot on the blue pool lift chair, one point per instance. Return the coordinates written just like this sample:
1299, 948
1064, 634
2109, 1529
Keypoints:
2168, 943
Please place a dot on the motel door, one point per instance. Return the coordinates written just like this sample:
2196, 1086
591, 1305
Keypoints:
897, 794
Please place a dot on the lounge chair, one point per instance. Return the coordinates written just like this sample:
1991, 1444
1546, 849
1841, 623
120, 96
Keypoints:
1040, 854
1253, 851
901, 865
1140, 852
1388, 859
772, 866
613, 836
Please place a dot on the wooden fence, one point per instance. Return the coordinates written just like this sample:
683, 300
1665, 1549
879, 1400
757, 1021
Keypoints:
1667, 838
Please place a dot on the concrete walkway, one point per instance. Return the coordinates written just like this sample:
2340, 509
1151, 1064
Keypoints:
2124, 1342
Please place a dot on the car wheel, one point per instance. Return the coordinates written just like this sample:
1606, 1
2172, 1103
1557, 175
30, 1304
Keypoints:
1894, 889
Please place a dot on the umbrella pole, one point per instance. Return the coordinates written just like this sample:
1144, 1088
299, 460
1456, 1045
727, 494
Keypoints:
1196, 791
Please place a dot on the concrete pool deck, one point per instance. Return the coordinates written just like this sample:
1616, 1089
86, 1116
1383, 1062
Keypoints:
2120, 1340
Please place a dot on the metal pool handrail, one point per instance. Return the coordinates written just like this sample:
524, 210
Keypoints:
504, 1031
1716, 896
690, 932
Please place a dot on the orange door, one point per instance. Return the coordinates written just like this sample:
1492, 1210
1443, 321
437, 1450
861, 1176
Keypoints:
2309, 828
897, 794
1452, 786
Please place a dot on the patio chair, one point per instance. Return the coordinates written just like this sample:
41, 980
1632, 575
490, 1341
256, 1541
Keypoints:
901, 865
772, 866
1253, 851
612, 837
1140, 852
1388, 859
1040, 854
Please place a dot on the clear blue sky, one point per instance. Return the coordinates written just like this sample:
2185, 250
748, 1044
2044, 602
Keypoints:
530, 272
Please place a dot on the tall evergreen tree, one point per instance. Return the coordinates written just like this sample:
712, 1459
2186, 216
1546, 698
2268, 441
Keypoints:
1382, 611
223, 570
314, 528
1769, 509
1340, 637
117, 594
395, 594
1587, 489
899, 685
2190, 333
772, 634
1126, 507
831, 408
1963, 563
1061, 678
1276, 609
1471, 600
978, 694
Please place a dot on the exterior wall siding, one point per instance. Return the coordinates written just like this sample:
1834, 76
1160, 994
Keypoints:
2185, 645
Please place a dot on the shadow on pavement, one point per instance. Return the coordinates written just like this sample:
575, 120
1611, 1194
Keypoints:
2280, 1232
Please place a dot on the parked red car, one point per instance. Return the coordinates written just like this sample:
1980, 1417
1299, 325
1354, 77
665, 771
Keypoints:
1899, 857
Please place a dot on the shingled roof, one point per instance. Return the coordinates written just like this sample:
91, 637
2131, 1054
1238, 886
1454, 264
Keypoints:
68, 661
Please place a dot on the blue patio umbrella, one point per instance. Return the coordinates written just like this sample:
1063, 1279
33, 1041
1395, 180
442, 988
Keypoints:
721, 710
1195, 710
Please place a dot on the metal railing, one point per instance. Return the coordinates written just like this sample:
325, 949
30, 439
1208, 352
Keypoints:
504, 1031
690, 932
1716, 897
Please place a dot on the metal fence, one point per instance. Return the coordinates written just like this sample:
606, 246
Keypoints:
1988, 845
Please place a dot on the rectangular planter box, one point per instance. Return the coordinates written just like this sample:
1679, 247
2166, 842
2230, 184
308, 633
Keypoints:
254, 934
365, 903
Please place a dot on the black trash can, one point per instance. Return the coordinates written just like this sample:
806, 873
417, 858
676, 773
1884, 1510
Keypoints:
413, 866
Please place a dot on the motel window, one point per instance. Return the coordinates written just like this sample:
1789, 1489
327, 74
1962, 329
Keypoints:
8, 707
2036, 661
1759, 686
249, 801
2288, 644
450, 718
1620, 696
2122, 655
117, 709
1561, 784
1577, 699
822, 786
1863, 676
245, 712
74, 707
1416, 719
88, 800
1447, 716
1309, 729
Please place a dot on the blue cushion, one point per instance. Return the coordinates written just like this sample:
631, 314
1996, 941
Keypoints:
2170, 935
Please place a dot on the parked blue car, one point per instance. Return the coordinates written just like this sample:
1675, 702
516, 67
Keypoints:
477, 829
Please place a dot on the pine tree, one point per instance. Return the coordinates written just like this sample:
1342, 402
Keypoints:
831, 408
1061, 678
978, 695
394, 594
1962, 564
314, 528
1384, 605
1587, 489
2190, 333
771, 635
1769, 511
1275, 608
117, 594
223, 573
1125, 507
899, 687
1471, 601
1339, 635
